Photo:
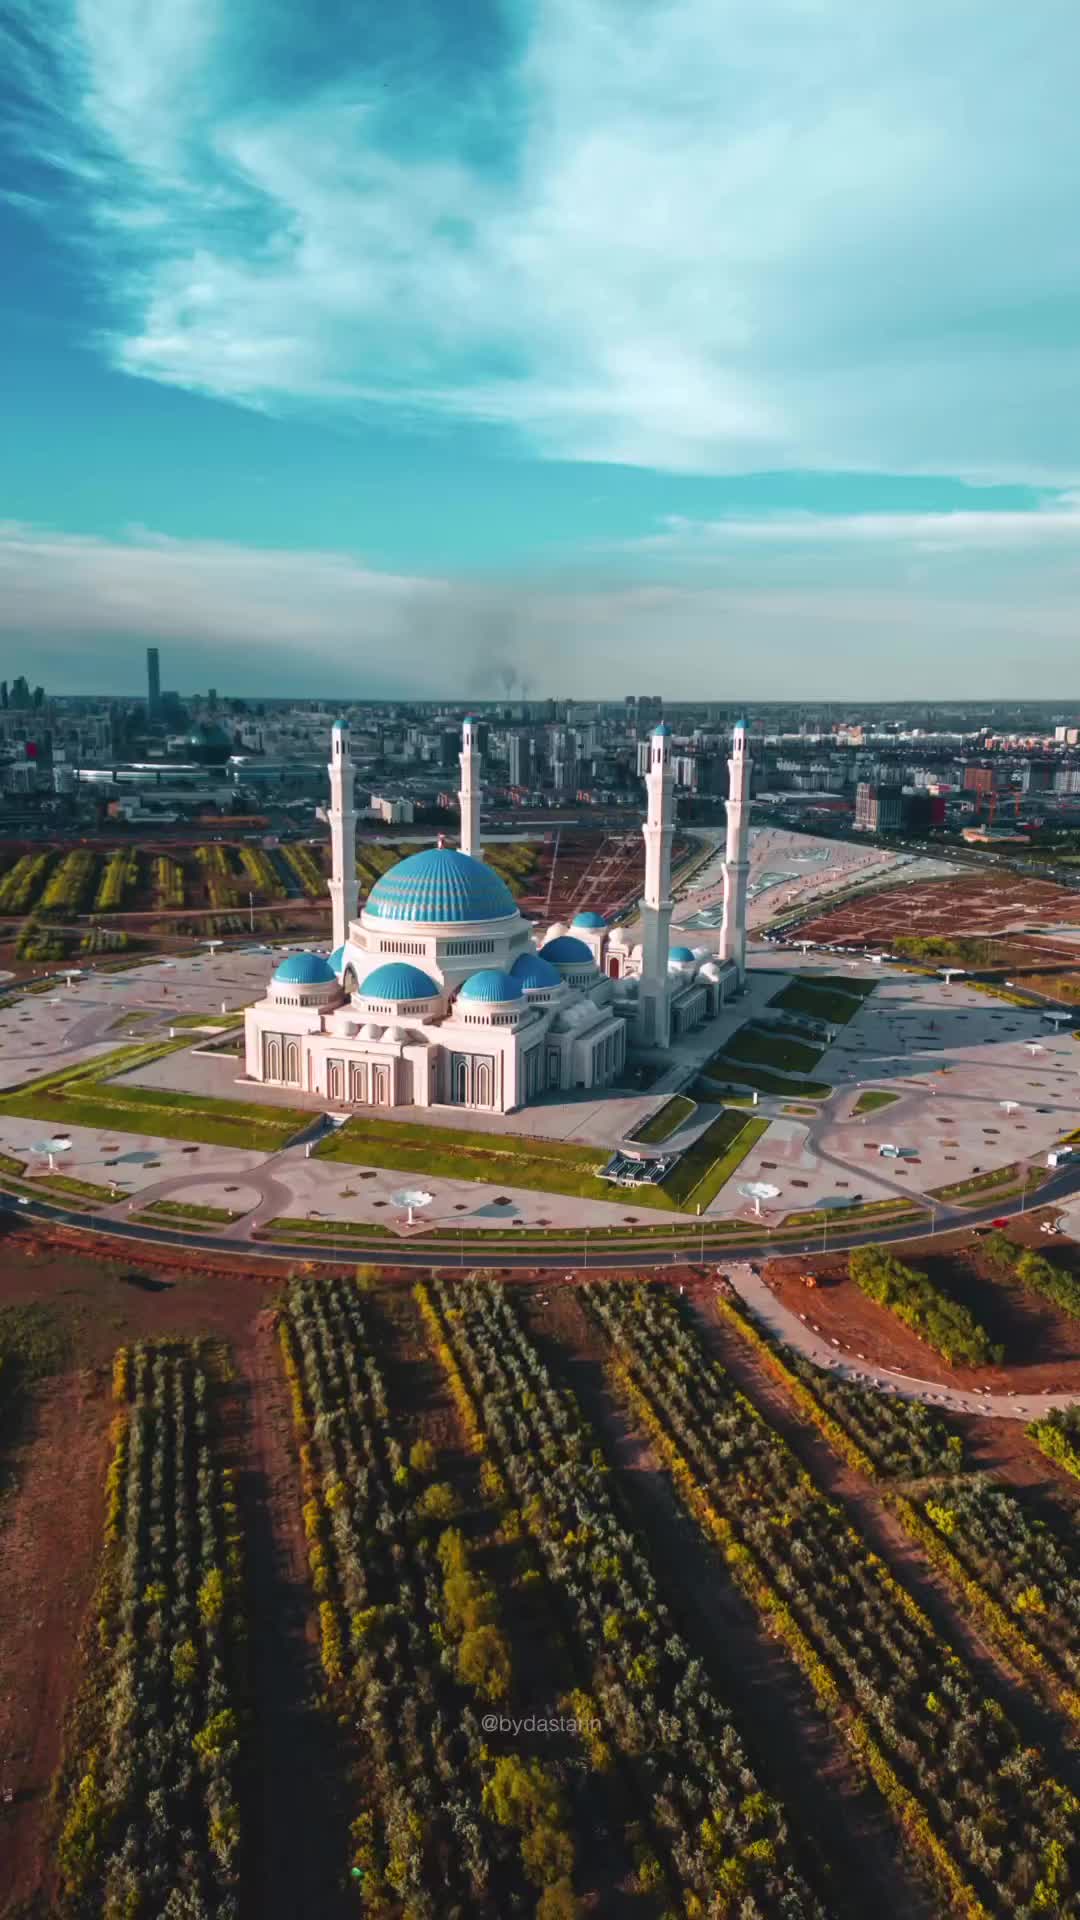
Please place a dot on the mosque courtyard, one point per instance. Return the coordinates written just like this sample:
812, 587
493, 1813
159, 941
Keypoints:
964, 1090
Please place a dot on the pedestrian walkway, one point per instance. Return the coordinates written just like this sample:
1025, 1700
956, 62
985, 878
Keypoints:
770, 1313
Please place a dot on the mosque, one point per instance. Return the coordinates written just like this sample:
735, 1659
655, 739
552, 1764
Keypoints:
439, 993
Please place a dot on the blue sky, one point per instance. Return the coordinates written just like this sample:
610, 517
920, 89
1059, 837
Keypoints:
724, 345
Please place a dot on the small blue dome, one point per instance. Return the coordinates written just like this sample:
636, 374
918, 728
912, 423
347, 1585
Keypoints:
442, 885
304, 970
680, 953
565, 951
491, 984
337, 961
662, 728
396, 980
588, 919
534, 972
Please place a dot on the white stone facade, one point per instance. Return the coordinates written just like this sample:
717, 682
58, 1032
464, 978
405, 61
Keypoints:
437, 993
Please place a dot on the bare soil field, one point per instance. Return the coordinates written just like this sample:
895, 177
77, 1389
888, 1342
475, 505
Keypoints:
991, 903
578, 870
1042, 1346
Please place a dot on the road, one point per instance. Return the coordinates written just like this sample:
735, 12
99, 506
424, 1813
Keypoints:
477, 1248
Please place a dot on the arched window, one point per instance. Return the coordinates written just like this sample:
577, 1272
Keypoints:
272, 1056
292, 1062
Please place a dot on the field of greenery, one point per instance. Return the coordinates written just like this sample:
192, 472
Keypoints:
149, 1799
948, 1327
412, 1645
978, 1804
710, 1838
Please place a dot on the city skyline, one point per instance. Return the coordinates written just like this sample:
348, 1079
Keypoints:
339, 358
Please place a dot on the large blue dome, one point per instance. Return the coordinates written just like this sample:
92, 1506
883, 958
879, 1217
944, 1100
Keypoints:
397, 980
491, 984
565, 951
304, 970
439, 886
534, 972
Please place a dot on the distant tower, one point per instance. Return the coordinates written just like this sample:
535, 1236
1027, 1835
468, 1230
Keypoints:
153, 683
470, 788
736, 864
342, 834
654, 994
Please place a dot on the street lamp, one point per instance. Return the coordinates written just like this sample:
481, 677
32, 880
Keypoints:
251, 911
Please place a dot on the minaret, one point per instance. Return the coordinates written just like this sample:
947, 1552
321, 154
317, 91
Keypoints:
736, 864
342, 817
654, 994
469, 795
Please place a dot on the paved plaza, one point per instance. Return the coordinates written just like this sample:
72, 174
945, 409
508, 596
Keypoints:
976, 1083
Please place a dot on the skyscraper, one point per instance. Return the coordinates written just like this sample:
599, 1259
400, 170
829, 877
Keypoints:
521, 760
153, 684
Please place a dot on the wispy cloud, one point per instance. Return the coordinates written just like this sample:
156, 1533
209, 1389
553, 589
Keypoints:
779, 233
1054, 525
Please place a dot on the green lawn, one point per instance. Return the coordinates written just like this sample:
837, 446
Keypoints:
724, 1071
188, 1210
223, 1020
712, 1159
843, 1216
93, 1094
768, 1047
551, 1166
874, 1099
824, 999
663, 1123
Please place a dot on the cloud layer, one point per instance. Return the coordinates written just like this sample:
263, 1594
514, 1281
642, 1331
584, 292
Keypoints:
78, 612
777, 233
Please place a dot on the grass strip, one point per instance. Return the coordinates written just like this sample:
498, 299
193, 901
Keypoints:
664, 1122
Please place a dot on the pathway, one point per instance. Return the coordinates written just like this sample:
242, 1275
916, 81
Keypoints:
793, 1332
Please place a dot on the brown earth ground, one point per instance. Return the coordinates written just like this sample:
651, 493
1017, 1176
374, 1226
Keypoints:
50, 1537
1042, 1345
989, 903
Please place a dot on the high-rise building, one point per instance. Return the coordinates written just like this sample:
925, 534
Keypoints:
153, 684
878, 809
521, 760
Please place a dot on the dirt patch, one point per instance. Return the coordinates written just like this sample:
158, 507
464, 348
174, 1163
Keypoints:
1042, 1346
983, 903
50, 1532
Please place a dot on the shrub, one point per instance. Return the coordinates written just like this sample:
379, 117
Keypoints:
948, 1327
